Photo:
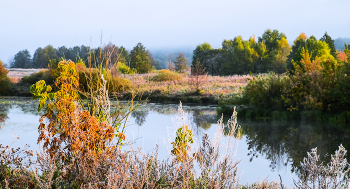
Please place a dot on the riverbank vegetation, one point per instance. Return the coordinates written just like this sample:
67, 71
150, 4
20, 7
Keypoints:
307, 80
83, 141
315, 88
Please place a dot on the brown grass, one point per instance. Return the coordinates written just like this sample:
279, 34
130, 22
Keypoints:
15, 79
213, 85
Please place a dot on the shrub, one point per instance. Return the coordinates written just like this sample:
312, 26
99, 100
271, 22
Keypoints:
73, 132
115, 83
164, 71
5, 83
35, 77
315, 174
265, 92
124, 69
167, 76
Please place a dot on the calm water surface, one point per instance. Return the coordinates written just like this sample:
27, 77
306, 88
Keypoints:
266, 149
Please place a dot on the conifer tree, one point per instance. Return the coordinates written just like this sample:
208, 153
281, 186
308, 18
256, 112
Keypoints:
139, 59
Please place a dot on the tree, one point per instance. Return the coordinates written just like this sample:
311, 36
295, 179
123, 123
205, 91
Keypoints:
74, 53
282, 52
139, 59
111, 55
206, 55
198, 52
63, 52
316, 48
198, 75
154, 63
295, 55
5, 83
22, 60
181, 64
240, 56
124, 55
170, 64
42, 56
277, 47
326, 38
85, 53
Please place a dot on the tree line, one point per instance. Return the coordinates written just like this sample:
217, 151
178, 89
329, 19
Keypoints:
270, 53
138, 59
109, 53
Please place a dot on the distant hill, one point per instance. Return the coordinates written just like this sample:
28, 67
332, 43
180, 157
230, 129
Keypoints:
339, 43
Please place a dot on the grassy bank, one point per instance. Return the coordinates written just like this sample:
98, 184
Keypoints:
212, 89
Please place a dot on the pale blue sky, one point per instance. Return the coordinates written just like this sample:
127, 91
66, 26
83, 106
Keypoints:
29, 24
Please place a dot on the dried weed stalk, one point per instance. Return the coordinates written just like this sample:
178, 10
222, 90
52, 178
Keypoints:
316, 175
14, 163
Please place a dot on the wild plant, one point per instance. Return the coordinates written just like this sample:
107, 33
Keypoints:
198, 75
332, 175
72, 132
14, 163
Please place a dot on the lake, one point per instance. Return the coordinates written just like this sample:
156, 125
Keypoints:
266, 149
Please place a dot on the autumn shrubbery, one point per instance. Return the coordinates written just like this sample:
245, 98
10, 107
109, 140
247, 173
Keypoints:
124, 69
82, 141
35, 77
5, 83
167, 75
87, 78
317, 88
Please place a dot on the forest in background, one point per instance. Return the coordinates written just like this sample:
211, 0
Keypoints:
269, 52
311, 75
159, 58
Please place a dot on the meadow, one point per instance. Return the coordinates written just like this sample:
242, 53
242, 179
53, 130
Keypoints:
211, 88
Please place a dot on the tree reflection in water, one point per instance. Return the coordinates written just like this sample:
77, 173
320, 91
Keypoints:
284, 143
4, 108
140, 116
281, 143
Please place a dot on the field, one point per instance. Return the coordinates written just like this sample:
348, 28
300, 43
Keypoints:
210, 88
16, 74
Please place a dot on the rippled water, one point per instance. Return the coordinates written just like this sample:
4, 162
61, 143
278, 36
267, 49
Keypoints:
266, 149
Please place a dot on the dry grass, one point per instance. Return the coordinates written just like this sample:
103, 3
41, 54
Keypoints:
213, 85
16, 74
132, 168
19, 72
15, 79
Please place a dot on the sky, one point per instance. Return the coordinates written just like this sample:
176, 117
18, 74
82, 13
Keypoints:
160, 24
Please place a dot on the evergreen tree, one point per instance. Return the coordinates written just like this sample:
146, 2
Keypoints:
326, 38
139, 59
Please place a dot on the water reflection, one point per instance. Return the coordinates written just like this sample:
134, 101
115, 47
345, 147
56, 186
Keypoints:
202, 116
4, 108
140, 116
284, 143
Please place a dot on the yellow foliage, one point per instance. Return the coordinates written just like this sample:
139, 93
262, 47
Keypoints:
71, 129
308, 66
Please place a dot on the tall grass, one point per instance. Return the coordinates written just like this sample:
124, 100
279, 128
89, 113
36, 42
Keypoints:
216, 86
